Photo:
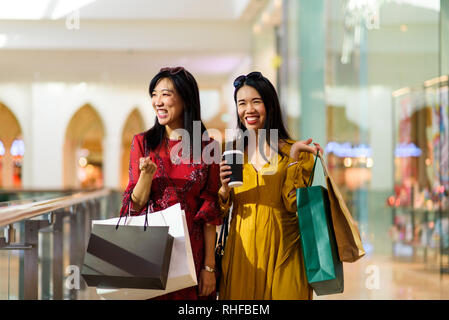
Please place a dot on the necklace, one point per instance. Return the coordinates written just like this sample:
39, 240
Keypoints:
175, 158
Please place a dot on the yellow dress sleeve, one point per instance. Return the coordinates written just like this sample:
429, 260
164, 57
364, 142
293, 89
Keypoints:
297, 176
224, 206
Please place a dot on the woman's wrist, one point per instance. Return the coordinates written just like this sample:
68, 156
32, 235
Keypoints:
137, 204
223, 194
295, 153
146, 175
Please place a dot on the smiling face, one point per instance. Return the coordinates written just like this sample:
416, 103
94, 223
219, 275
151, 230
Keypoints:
167, 104
250, 108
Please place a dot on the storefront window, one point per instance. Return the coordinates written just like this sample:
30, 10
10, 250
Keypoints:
372, 92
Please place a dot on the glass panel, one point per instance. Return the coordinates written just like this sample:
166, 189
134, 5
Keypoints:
374, 49
74, 228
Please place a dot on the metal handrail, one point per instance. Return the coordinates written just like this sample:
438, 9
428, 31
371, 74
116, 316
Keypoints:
13, 214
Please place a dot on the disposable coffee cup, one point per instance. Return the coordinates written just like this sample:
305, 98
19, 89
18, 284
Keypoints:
234, 159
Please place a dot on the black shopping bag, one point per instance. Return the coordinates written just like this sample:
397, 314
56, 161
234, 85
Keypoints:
128, 257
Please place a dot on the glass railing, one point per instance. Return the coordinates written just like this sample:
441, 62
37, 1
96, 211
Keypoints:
15, 197
43, 241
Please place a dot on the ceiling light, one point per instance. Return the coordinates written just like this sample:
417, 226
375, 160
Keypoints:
23, 9
3, 40
65, 7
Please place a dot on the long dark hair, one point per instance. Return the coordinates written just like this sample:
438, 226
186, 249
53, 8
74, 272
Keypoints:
270, 99
187, 88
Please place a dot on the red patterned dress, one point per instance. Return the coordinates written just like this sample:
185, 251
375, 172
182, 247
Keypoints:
194, 186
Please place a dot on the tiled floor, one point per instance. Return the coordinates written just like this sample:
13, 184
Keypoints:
380, 278
371, 278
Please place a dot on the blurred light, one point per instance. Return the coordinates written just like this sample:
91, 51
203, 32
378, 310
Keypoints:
347, 162
3, 40
64, 7
437, 80
391, 200
81, 86
428, 162
403, 28
276, 62
257, 28
225, 117
278, 3
405, 150
84, 153
23, 9
369, 163
89, 169
17, 148
82, 162
346, 150
401, 92
2, 149
431, 225
265, 17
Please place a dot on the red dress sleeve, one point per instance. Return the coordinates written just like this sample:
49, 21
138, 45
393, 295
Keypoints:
209, 211
137, 151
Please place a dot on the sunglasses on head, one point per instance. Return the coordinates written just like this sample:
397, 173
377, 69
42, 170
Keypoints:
174, 70
241, 79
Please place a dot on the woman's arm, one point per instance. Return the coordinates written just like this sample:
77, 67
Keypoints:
140, 173
142, 190
207, 278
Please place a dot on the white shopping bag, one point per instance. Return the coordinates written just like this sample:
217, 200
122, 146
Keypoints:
181, 273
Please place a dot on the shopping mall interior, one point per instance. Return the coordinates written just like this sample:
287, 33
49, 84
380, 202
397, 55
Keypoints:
367, 79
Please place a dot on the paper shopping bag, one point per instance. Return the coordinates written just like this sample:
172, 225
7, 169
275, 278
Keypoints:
349, 243
128, 257
324, 270
181, 273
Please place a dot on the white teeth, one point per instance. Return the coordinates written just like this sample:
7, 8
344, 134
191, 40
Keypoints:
251, 119
162, 112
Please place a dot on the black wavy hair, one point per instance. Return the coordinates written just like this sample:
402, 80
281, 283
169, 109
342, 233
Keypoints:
187, 88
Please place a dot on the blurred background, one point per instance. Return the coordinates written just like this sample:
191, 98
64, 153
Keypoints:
367, 79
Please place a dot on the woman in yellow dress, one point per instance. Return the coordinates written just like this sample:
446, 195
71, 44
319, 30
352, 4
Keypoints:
262, 258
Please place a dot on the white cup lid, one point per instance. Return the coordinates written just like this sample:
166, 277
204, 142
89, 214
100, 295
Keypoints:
235, 184
232, 151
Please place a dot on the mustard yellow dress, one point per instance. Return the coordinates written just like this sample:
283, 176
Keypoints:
262, 259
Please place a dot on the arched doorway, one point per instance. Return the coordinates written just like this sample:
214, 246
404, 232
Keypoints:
12, 149
83, 150
134, 124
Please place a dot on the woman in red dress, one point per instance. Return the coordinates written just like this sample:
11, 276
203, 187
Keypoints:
160, 177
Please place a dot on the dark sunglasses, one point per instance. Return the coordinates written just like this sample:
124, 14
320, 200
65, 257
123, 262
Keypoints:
174, 70
255, 75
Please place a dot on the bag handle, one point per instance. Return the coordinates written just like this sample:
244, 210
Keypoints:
223, 231
146, 218
323, 164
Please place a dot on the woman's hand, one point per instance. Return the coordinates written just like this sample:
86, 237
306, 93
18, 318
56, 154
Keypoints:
146, 166
206, 284
304, 146
225, 171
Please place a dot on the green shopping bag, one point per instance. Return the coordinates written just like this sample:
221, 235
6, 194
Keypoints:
323, 267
